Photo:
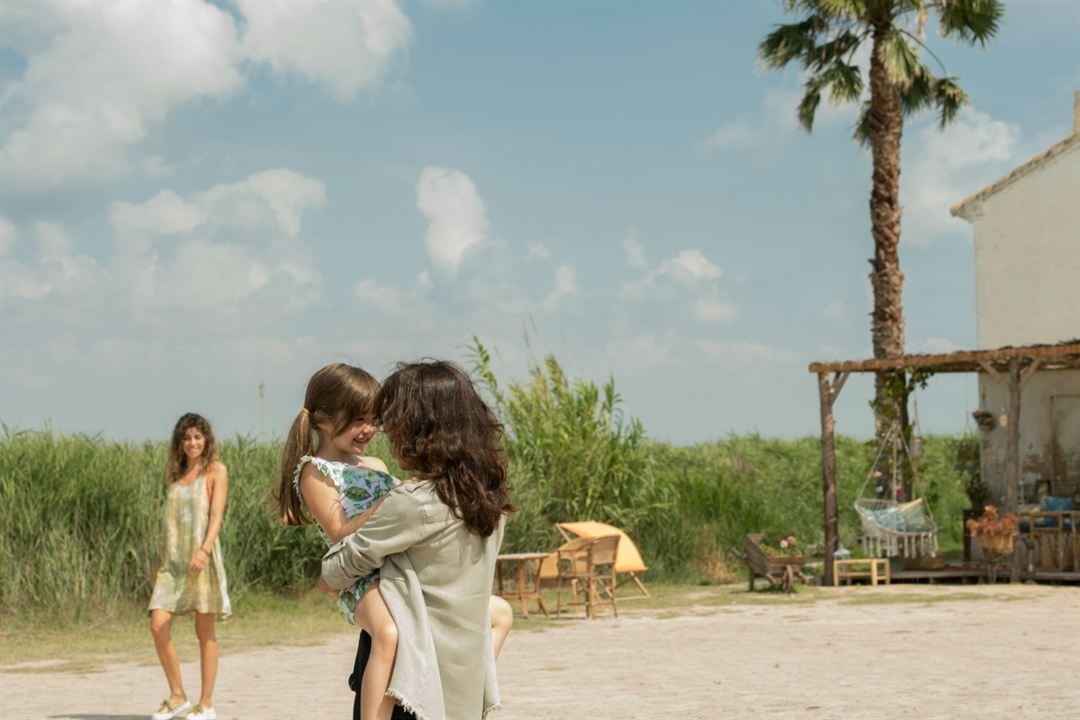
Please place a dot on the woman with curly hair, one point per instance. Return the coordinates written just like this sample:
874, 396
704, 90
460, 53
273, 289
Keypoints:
191, 574
435, 539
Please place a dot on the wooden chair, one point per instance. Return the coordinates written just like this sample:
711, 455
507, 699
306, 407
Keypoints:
590, 562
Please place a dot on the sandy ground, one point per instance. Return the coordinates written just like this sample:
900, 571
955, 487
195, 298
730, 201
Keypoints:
1013, 654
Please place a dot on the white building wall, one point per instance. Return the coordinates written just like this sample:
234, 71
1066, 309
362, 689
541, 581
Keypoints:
1027, 285
1049, 434
1027, 257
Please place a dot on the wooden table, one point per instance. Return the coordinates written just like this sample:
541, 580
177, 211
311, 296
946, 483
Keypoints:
523, 592
877, 569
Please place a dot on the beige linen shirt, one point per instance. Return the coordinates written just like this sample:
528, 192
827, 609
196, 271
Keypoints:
436, 579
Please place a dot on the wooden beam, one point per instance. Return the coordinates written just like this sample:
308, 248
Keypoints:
1055, 357
994, 374
1012, 456
1029, 372
839, 378
827, 393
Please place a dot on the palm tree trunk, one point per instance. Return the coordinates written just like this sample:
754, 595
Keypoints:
886, 127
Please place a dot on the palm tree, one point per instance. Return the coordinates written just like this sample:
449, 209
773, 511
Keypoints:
824, 42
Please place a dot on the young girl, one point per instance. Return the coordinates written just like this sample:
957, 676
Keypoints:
325, 473
435, 539
191, 575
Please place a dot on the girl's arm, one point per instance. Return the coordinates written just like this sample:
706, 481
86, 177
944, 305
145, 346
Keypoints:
399, 524
324, 503
217, 477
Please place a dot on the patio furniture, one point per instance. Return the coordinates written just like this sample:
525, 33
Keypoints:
1052, 539
588, 566
517, 565
781, 572
873, 568
628, 564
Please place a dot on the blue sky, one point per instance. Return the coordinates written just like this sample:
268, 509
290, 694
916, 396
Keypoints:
197, 198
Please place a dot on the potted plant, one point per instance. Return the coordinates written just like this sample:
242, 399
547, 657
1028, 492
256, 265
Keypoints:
785, 550
967, 466
995, 532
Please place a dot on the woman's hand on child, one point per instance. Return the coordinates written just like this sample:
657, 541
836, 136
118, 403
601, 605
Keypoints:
198, 561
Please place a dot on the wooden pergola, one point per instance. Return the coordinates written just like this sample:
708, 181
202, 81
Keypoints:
1012, 367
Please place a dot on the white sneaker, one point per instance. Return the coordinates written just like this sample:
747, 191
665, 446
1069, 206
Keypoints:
200, 713
167, 711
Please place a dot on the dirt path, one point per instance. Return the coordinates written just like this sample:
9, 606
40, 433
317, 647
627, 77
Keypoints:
927, 652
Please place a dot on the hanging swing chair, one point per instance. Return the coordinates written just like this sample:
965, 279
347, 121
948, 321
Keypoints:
892, 528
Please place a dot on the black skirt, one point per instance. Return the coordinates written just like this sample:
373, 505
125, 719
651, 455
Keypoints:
363, 649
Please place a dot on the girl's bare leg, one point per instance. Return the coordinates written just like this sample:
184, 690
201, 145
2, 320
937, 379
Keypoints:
208, 656
502, 619
161, 629
373, 615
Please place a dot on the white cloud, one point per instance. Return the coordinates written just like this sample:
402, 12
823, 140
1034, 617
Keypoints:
102, 77
378, 296
565, 284
637, 354
944, 167
7, 236
635, 254
738, 134
164, 214
106, 78
933, 345
348, 47
537, 251
154, 166
689, 271
456, 215
746, 355
59, 269
833, 311
715, 309
277, 197
449, 5
689, 267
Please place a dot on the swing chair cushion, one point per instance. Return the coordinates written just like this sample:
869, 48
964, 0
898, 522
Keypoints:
909, 517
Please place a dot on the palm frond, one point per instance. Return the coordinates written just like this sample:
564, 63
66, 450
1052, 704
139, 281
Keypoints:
809, 104
949, 98
844, 81
833, 51
862, 125
974, 21
854, 9
919, 95
901, 60
788, 42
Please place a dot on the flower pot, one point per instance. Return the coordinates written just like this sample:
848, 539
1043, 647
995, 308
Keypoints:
996, 547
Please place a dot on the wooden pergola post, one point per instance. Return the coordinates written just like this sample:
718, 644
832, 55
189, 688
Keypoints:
828, 391
1012, 458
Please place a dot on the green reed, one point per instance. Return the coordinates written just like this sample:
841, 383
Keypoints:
80, 515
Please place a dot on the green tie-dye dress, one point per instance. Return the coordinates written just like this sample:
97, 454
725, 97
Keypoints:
177, 589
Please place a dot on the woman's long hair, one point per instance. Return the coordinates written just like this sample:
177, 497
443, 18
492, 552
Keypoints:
337, 393
177, 464
440, 429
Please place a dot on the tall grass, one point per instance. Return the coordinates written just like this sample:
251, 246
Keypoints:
80, 515
574, 456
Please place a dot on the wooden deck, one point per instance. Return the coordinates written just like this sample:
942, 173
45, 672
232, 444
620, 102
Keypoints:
979, 572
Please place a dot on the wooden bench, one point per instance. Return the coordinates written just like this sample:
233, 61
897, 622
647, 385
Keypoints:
875, 569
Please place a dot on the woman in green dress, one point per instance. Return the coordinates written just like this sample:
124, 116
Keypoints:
191, 574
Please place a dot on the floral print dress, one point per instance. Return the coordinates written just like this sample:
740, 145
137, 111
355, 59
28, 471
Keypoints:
358, 489
177, 589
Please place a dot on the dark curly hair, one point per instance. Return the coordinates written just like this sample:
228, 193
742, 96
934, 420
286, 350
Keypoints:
441, 430
177, 464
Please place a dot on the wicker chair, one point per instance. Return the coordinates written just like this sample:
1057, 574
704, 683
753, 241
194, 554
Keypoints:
588, 566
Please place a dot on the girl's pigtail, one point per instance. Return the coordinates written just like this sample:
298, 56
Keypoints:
301, 440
